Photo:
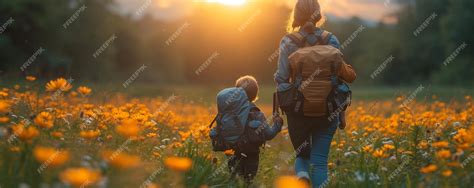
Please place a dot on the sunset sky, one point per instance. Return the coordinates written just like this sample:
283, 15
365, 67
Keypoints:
169, 10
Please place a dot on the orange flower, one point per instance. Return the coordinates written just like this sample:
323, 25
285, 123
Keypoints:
44, 119
151, 135
3, 94
423, 144
229, 152
180, 164
79, 177
367, 148
57, 134
30, 78
429, 169
4, 119
15, 149
121, 160
156, 154
84, 90
50, 156
128, 128
379, 153
58, 84
4, 106
454, 164
289, 182
443, 154
25, 133
90, 134
388, 147
447, 173
440, 144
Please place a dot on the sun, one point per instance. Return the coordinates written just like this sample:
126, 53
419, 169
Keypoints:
228, 2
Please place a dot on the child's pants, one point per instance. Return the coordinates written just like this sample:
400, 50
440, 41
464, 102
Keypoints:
244, 165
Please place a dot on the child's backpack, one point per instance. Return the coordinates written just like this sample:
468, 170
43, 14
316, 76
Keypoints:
235, 127
314, 70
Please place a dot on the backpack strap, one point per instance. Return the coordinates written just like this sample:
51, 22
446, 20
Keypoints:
298, 39
323, 39
254, 107
213, 121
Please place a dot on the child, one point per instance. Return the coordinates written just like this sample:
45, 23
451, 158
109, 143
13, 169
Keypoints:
240, 100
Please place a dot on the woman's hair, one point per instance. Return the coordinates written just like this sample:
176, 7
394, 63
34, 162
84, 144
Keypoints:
306, 14
250, 85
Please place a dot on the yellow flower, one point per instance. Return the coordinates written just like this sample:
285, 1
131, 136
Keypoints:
447, 173
44, 119
25, 133
4, 106
289, 182
128, 128
180, 164
50, 156
79, 177
30, 78
90, 134
121, 160
443, 154
84, 90
429, 169
331, 165
58, 84
440, 144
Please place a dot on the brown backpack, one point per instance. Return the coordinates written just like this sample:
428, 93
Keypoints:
311, 68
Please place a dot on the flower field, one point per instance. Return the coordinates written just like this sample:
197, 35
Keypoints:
61, 135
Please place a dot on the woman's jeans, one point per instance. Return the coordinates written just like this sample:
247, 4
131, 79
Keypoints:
311, 137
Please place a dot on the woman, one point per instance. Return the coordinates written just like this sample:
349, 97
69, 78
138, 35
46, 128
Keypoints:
311, 136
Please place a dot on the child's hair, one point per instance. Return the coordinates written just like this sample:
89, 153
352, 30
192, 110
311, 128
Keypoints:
250, 85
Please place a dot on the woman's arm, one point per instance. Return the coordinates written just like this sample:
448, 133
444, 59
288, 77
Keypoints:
282, 75
346, 72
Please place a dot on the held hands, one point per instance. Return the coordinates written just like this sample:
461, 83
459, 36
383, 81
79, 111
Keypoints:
277, 120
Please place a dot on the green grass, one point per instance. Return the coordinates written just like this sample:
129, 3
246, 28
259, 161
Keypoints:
206, 93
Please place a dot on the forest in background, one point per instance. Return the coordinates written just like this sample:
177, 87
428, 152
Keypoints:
430, 42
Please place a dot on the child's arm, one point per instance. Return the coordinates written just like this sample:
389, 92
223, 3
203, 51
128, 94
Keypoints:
270, 132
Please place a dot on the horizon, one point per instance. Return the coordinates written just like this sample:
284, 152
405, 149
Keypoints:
172, 10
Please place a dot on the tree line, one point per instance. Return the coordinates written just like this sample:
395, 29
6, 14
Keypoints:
90, 40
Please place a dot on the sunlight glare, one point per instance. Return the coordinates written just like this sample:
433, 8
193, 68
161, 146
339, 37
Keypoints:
228, 2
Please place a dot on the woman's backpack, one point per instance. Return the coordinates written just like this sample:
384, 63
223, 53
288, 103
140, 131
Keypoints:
314, 70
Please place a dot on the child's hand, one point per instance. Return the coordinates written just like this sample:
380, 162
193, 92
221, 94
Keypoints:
277, 120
